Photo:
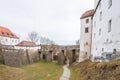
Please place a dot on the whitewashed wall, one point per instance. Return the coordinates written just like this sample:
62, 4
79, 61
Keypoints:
107, 40
85, 37
32, 48
8, 40
14, 41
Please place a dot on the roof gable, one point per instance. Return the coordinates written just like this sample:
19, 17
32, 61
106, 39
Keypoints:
26, 44
87, 14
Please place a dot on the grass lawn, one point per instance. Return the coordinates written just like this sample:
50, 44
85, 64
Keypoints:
88, 70
36, 71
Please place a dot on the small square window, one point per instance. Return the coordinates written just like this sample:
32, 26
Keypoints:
6, 40
86, 43
102, 49
86, 30
16, 41
99, 31
87, 20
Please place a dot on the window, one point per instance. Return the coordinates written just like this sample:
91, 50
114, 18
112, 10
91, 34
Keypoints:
86, 30
95, 24
109, 3
86, 43
99, 31
102, 49
109, 25
87, 20
100, 15
96, 48
15, 41
114, 51
6, 40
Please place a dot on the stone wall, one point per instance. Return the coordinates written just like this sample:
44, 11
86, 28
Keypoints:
48, 57
32, 55
61, 58
15, 57
20, 57
1, 57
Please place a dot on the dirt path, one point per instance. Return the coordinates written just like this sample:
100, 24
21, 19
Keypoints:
66, 73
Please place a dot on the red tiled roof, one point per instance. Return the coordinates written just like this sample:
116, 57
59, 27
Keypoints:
87, 14
26, 43
6, 32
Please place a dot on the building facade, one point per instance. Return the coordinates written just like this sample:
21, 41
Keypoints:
106, 28
86, 35
7, 37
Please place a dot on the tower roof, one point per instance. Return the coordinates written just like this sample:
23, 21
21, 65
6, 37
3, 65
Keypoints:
87, 14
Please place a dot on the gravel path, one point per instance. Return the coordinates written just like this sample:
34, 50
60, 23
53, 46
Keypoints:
66, 73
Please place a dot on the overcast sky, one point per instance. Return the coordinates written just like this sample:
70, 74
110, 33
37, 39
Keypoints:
58, 20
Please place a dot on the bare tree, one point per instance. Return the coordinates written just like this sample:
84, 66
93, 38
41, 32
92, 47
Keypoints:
33, 36
44, 40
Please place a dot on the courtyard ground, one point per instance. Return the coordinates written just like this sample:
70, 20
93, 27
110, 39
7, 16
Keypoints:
66, 73
37, 71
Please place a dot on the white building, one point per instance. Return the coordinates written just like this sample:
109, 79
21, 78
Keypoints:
27, 45
7, 37
106, 27
86, 35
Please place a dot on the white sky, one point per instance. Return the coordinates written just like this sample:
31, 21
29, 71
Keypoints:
58, 20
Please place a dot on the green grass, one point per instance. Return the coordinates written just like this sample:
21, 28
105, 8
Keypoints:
36, 71
88, 70
10, 73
